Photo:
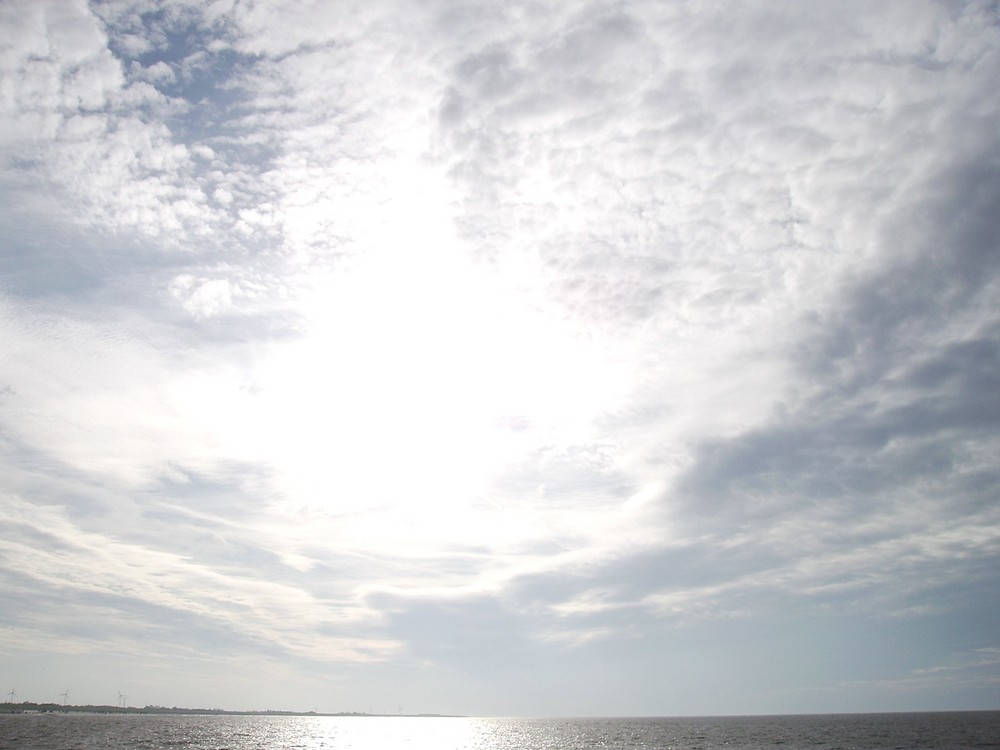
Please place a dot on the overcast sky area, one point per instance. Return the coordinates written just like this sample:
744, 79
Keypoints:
598, 357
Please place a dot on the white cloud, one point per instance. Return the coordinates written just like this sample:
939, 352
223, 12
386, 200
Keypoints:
591, 311
87, 563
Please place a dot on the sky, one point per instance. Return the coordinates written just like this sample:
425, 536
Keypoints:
591, 357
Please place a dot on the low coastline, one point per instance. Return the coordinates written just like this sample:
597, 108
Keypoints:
29, 707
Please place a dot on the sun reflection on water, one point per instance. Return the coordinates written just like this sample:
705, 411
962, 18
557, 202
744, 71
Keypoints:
371, 733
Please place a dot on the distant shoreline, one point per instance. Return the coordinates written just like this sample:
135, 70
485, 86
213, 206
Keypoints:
28, 707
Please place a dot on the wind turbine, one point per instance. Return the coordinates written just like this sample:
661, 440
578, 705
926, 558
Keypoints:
11, 696
65, 695
121, 699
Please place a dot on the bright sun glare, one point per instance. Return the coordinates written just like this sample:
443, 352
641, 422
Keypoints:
421, 374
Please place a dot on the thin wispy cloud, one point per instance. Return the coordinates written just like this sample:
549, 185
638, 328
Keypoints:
501, 359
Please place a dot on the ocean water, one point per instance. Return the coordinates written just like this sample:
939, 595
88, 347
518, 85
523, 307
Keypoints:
953, 730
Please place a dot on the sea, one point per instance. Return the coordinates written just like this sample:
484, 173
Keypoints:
951, 730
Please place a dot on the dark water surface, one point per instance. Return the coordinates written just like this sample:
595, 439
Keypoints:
953, 730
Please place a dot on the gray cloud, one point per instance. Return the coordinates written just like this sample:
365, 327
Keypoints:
891, 448
460, 347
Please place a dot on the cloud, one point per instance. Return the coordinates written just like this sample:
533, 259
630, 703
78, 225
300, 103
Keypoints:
883, 463
572, 332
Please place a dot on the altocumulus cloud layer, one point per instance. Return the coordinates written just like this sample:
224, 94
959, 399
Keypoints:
541, 358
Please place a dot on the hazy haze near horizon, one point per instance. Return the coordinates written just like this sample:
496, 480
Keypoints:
523, 358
